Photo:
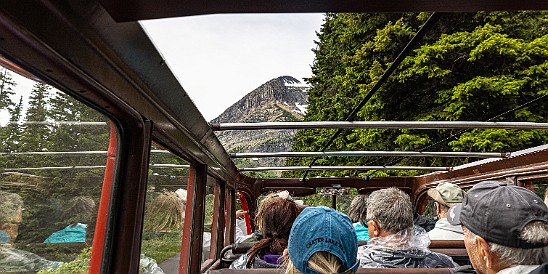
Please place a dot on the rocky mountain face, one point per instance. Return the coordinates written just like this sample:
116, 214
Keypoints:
280, 99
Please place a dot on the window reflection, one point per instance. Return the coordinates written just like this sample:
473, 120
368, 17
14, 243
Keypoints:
164, 211
52, 160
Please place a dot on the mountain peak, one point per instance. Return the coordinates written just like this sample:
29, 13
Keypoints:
281, 99
284, 93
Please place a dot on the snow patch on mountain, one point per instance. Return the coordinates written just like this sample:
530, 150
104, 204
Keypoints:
302, 108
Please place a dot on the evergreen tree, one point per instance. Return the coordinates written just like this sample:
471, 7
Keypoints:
35, 135
13, 129
6, 89
6, 103
471, 66
77, 137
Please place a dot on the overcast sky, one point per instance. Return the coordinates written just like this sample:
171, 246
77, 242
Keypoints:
218, 59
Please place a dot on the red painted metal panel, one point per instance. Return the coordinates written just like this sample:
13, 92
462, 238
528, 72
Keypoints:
245, 208
102, 215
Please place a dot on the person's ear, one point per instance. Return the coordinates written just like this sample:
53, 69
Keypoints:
484, 252
374, 228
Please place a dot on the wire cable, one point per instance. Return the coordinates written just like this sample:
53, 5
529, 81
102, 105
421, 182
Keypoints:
434, 17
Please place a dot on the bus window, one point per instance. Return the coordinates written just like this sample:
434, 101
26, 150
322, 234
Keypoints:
243, 224
164, 211
53, 154
208, 217
539, 186
342, 197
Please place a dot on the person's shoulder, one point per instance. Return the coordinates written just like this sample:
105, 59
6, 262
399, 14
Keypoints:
542, 269
362, 250
519, 269
260, 263
444, 234
239, 263
441, 260
434, 233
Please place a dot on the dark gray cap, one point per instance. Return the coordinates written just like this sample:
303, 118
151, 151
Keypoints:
498, 212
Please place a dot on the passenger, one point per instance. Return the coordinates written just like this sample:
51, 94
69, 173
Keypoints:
276, 222
357, 213
505, 228
426, 223
395, 242
546, 196
178, 206
445, 195
240, 233
322, 241
14, 260
265, 203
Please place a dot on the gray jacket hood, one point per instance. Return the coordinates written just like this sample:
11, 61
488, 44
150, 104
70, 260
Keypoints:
446, 231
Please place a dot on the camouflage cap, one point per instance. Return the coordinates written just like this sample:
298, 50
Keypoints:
446, 194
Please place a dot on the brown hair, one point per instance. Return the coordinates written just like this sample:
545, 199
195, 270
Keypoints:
276, 221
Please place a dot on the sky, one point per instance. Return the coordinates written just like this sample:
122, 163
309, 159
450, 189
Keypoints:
23, 88
218, 59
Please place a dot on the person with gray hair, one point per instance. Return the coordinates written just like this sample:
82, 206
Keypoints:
357, 213
505, 228
395, 242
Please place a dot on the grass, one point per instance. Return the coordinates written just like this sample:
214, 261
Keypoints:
161, 246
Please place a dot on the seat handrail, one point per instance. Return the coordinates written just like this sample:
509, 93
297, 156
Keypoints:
446, 244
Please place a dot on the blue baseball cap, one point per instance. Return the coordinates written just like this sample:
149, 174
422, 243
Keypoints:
322, 229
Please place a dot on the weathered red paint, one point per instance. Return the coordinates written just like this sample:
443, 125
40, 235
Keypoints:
246, 216
102, 215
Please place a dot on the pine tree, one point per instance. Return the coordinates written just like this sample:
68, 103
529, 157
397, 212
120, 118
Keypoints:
13, 129
76, 137
6, 103
35, 135
471, 66
6, 89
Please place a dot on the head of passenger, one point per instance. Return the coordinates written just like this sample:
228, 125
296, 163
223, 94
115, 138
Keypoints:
389, 212
322, 240
445, 195
265, 203
505, 227
395, 242
358, 213
276, 221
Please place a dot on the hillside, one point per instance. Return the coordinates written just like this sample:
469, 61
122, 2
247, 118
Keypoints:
280, 99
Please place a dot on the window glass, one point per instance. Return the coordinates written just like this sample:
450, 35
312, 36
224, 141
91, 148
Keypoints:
430, 209
243, 221
539, 186
53, 152
323, 197
164, 210
208, 218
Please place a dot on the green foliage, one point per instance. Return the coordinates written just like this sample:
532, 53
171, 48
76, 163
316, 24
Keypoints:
52, 199
469, 67
316, 200
287, 115
77, 266
208, 218
161, 246
6, 89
